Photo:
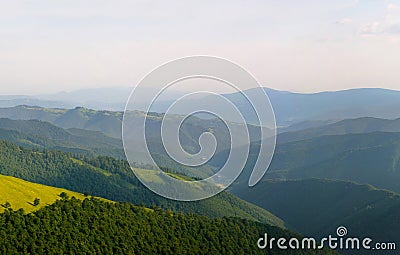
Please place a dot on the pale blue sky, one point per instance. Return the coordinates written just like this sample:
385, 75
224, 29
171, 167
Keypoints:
48, 46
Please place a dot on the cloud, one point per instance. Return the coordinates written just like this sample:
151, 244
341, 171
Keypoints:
393, 7
380, 29
371, 28
388, 25
344, 21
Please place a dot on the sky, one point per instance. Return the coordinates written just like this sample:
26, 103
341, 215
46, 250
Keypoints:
48, 46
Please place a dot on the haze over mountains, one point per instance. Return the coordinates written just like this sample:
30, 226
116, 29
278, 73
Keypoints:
299, 154
289, 107
100, 99
354, 103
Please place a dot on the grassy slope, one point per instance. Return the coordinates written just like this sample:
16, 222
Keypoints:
20, 194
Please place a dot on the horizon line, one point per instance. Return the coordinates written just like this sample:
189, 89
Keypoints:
32, 96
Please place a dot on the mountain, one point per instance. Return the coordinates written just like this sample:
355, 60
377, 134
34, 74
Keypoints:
368, 158
39, 134
104, 121
43, 135
95, 227
108, 98
307, 124
348, 126
21, 194
110, 123
21, 100
317, 207
114, 180
308, 158
378, 166
289, 107
292, 107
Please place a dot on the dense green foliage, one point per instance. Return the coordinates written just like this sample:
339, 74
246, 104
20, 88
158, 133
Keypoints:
114, 180
317, 207
95, 227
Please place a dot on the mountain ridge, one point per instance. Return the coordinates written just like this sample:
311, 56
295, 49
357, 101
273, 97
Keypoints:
290, 107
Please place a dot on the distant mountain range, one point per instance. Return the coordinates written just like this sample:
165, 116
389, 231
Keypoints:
364, 150
113, 98
289, 107
109, 123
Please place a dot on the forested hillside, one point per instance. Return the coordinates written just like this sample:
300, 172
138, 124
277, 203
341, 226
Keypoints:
95, 227
114, 180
